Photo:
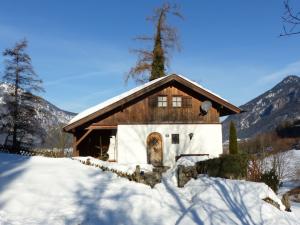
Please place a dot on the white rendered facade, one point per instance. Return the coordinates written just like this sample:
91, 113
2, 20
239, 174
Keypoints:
132, 141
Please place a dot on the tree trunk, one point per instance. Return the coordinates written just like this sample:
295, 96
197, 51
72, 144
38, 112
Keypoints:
158, 64
16, 111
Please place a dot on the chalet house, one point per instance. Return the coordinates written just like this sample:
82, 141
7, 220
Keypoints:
153, 123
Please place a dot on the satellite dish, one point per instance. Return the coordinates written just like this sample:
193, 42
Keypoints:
205, 107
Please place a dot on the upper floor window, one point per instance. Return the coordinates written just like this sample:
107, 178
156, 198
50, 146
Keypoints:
176, 101
162, 101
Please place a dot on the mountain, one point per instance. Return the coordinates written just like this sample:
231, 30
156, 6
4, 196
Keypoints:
267, 111
48, 114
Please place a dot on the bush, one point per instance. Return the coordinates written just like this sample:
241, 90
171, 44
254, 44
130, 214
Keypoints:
227, 166
234, 166
271, 179
255, 168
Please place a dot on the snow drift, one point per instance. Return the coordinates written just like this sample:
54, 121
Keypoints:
38, 190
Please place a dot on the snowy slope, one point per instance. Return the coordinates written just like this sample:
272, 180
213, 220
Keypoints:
266, 111
289, 164
37, 190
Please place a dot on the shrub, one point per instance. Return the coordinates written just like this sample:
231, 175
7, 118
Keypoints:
234, 166
227, 166
271, 179
255, 168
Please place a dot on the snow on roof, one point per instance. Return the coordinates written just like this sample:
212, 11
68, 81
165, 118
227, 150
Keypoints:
200, 86
110, 101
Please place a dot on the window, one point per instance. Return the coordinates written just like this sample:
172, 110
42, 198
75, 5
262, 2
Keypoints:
162, 101
176, 101
175, 138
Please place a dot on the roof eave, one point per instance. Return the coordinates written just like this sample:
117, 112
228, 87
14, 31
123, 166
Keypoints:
235, 110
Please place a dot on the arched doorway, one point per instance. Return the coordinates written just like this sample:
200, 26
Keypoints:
155, 149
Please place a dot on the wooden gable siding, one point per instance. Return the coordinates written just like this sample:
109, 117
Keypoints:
221, 106
143, 110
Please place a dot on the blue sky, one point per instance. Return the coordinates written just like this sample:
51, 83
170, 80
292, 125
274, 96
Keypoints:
80, 49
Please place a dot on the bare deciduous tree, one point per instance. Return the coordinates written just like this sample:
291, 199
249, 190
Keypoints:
282, 163
256, 168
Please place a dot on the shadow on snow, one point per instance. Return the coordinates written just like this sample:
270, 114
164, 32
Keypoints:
11, 167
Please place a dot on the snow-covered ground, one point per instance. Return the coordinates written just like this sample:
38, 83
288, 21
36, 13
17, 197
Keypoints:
292, 181
125, 168
288, 163
130, 168
39, 190
292, 167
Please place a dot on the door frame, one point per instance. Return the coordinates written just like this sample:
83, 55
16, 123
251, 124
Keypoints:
148, 149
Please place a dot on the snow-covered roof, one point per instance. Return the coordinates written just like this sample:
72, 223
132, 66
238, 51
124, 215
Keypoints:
117, 98
111, 101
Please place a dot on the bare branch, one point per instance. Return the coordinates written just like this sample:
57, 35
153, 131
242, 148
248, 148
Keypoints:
290, 19
167, 37
143, 38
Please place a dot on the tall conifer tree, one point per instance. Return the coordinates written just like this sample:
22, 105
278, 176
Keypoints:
151, 64
21, 115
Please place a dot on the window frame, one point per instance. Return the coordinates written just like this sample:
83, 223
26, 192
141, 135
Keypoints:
162, 101
175, 103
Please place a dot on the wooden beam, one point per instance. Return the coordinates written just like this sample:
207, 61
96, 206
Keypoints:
102, 127
84, 136
75, 150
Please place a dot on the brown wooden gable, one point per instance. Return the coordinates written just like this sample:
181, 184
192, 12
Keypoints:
146, 111
141, 107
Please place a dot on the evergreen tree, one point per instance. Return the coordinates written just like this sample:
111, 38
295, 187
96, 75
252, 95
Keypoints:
233, 146
20, 115
158, 62
151, 64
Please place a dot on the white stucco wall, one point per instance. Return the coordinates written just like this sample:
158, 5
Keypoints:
132, 141
112, 148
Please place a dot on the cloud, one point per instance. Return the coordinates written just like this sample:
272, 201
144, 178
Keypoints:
289, 69
71, 77
72, 66
90, 99
47, 48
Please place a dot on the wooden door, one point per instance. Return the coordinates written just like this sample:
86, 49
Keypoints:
155, 149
